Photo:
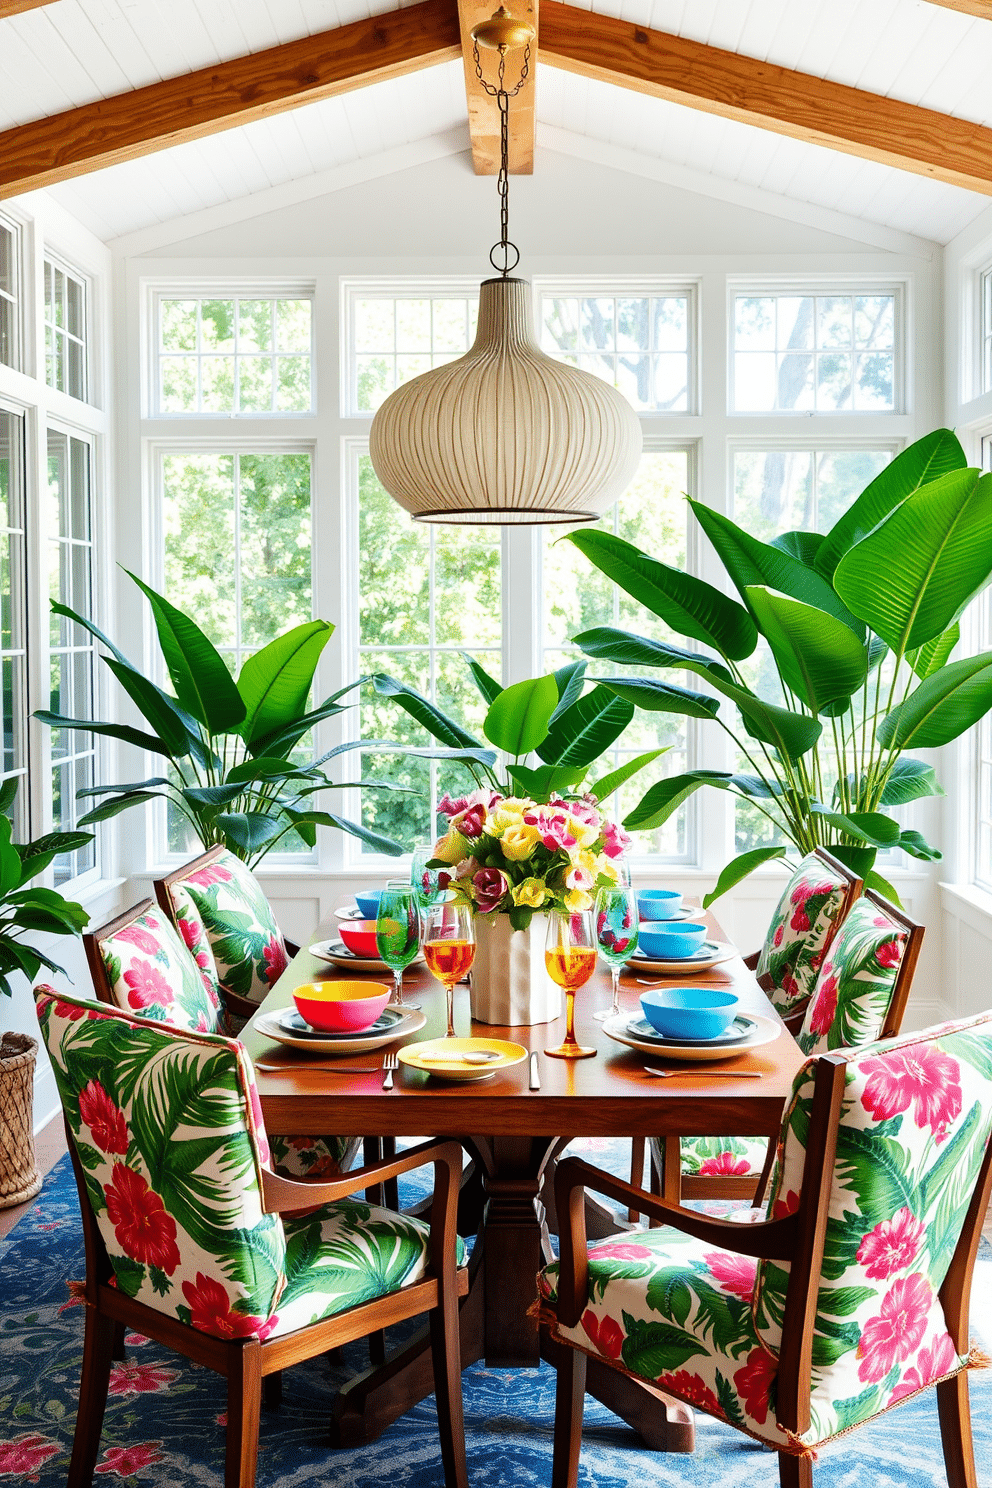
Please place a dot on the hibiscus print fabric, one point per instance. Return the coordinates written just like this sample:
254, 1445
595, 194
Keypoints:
152, 975
802, 928
227, 922
733, 1157
854, 989
169, 1133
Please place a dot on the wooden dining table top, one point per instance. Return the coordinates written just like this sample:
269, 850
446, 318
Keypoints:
610, 1095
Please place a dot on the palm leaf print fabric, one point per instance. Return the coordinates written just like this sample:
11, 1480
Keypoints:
724, 1157
152, 975
802, 927
169, 1132
705, 1324
853, 991
227, 923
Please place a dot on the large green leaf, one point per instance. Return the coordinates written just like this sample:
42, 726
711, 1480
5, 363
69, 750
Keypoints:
820, 658
858, 859
749, 561
476, 755
275, 682
570, 681
873, 827
487, 685
794, 734
375, 840
739, 868
587, 729
913, 842
622, 646
517, 720
121, 731
942, 707
541, 783
802, 545
689, 605
115, 806
203, 684
282, 741
912, 576
909, 780
249, 831
437, 724
929, 658
666, 796
158, 709
662, 697
607, 784
927, 460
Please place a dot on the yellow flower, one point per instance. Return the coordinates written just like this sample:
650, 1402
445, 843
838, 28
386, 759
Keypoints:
509, 813
531, 893
584, 834
519, 841
576, 900
452, 847
606, 868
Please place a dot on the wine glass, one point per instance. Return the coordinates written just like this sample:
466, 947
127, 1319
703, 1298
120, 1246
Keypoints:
570, 956
449, 947
397, 933
424, 879
616, 934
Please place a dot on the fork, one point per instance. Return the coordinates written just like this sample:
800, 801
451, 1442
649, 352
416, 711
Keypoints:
390, 1063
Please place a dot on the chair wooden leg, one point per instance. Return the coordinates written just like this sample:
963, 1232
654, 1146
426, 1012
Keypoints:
636, 1172
570, 1394
120, 1352
377, 1347
98, 1353
795, 1472
446, 1357
954, 1408
272, 1390
244, 1409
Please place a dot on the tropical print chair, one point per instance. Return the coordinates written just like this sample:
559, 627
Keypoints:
859, 995
138, 963
219, 909
850, 1293
812, 907
193, 1240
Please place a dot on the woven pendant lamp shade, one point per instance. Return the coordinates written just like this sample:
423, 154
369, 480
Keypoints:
505, 434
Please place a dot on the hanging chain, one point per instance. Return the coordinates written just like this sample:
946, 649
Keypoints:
502, 97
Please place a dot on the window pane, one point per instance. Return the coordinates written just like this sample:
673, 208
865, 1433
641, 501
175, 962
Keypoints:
275, 545
232, 362
8, 296
12, 610
198, 520
65, 331
828, 353
639, 343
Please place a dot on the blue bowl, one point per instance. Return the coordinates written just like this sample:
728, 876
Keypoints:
658, 904
670, 942
689, 1012
368, 902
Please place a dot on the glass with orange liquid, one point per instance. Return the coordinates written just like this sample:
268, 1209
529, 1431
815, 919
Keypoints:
449, 948
570, 956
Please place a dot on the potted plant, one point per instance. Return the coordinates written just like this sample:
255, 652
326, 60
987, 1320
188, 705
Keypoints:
25, 910
860, 624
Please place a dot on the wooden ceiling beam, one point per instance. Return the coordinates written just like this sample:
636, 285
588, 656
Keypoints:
14, 7
980, 8
483, 113
760, 93
130, 125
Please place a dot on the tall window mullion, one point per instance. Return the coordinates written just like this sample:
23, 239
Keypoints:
13, 613
9, 295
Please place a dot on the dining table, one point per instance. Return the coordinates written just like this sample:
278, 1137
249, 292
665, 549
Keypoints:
513, 1134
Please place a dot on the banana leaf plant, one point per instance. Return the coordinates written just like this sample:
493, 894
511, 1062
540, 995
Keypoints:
31, 911
553, 717
227, 744
861, 624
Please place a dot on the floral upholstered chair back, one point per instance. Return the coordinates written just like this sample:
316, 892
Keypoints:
802, 927
914, 1126
149, 972
168, 1131
228, 925
867, 967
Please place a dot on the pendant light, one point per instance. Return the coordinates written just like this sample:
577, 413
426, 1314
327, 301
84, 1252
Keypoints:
506, 434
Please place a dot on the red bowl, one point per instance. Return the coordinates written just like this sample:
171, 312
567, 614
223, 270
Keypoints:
359, 937
340, 1007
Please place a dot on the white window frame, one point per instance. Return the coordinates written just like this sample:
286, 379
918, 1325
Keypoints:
805, 443
15, 299
85, 342
983, 371
26, 790
812, 285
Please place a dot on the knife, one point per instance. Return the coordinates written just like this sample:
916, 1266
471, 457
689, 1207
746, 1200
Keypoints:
535, 1077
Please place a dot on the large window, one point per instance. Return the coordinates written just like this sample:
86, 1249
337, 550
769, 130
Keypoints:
985, 333
393, 338
234, 356
8, 295
72, 649
13, 610
822, 353
65, 330
983, 782
641, 343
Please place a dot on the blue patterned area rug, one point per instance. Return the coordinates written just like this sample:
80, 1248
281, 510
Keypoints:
164, 1422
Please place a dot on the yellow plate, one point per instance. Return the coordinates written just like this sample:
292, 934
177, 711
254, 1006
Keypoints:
417, 1056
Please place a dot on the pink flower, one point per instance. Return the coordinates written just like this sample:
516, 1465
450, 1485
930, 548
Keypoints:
26, 1455
578, 878
922, 1076
469, 822
70, 1011
449, 808
585, 812
129, 1378
138, 935
891, 1246
824, 1009
605, 1333
735, 1273
77, 1295
146, 985
275, 959
896, 1332
889, 953
754, 1383
490, 885
126, 1461
790, 986
692, 1389
932, 1363
779, 935
211, 1311
552, 823
105, 1120
213, 873
725, 1162
620, 1250
800, 920
487, 799
258, 1120
615, 840
783, 1207
143, 1229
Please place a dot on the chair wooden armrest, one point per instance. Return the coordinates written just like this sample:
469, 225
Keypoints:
283, 1195
751, 962
292, 949
241, 1007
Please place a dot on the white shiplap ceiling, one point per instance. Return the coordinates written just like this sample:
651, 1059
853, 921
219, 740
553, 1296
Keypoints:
74, 51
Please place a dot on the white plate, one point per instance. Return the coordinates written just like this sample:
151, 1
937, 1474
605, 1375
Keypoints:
765, 1032
686, 912
417, 1056
738, 1031
268, 1025
710, 953
354, 913
338, 954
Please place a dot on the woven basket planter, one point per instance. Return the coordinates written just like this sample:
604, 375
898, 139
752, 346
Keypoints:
19, 1176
